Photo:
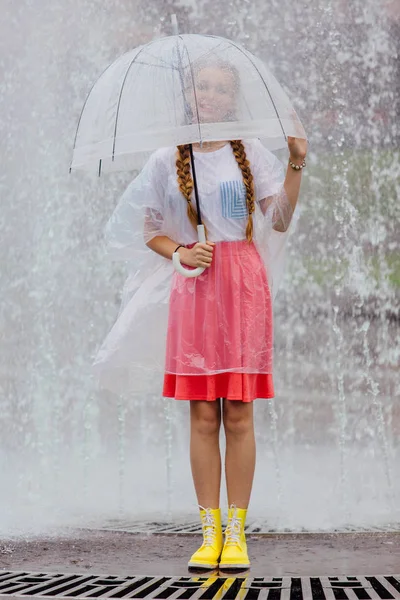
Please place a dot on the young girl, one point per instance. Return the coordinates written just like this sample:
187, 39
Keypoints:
219, 339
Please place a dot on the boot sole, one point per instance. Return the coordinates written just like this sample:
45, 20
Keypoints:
234, 565
198, 565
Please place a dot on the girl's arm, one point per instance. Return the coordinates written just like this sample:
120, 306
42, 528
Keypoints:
292, 188
198, 256
164, 246
291, 185
297, 154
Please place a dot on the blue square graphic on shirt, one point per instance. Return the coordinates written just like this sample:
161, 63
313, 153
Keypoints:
233, 199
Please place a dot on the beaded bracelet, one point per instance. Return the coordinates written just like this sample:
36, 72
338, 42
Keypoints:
297, 167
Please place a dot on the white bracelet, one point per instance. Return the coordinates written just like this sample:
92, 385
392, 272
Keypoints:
297, 167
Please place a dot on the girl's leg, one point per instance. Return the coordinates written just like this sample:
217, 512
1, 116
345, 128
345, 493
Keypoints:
205, 457
240, 458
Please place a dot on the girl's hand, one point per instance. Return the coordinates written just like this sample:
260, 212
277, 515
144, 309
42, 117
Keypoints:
198, 256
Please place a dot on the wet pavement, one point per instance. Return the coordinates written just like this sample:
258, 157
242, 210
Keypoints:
120, 553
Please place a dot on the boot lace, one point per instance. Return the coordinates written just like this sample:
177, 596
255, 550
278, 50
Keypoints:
233, 530
209, 527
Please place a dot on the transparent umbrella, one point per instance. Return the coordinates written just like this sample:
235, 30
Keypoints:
180, 90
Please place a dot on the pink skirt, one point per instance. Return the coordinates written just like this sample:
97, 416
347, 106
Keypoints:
220, 329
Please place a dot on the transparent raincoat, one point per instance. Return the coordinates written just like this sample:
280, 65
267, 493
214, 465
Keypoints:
221, 321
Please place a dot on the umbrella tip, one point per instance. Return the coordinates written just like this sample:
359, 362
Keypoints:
174, 23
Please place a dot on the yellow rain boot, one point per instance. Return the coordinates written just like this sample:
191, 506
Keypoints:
207, 556
234, 553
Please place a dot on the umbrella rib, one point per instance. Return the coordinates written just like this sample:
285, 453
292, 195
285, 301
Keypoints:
122, 89
139, 62
210, 52
194, 88
157, 58
262, 79
83, 108
196, 192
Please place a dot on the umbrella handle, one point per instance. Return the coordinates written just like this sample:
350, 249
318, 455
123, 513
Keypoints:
176, 259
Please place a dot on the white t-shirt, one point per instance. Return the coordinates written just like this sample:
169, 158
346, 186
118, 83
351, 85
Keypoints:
221, 191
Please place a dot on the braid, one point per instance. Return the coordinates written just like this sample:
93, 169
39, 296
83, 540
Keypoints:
241, 159
185, 181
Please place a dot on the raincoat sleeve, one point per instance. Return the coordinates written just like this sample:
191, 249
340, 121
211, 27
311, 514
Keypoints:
274, 217
269, 177
139, 215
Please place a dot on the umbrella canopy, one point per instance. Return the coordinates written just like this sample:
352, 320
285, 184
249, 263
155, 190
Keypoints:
157, 96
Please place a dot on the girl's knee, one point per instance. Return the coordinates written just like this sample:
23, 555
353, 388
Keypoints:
205, 417
238, 417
